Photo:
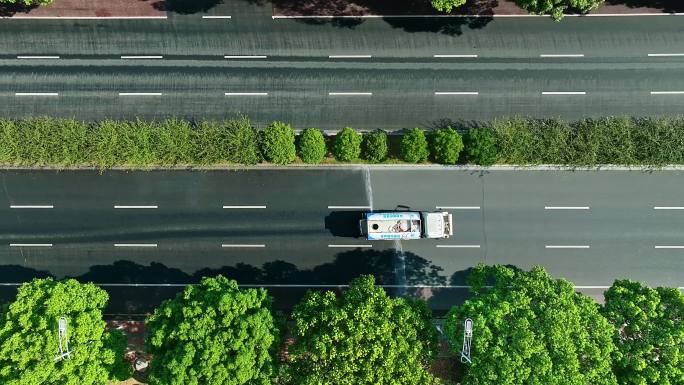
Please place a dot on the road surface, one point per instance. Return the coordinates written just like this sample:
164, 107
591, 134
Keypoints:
144, 235
388, 73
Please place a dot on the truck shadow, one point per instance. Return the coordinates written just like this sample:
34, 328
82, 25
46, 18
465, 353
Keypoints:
344, 223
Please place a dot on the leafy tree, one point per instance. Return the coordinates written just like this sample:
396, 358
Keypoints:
312, 146
446, 145
278, 143
480, 146
414, 146
213, 333
648, 333
531, 329
447, 5
557, 8
347, 145
29, 336
27, 3
361, 337
374, 146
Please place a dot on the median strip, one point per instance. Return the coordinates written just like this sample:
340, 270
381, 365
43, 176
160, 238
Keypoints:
32, 206
350, 246
30, 244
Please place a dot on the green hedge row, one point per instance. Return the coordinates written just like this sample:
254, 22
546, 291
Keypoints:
67, 142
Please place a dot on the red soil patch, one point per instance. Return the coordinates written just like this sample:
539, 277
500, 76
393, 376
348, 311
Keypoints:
89, 8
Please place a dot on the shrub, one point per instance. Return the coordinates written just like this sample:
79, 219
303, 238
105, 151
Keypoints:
241, 141
414, 146
278, 143
374, 146
312, 147
446, 144
347, 145
480, 146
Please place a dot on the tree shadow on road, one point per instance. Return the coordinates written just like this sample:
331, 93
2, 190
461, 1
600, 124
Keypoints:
667, 6
188, 6
9, 10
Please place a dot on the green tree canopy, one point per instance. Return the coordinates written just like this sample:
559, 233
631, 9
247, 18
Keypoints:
649, 333
347, 145
480, 146
414, 146
446, 145
557, 8
278, 143
361, 337
374, 147
212, 333
312, 147
29, 336
530, 329
447, 5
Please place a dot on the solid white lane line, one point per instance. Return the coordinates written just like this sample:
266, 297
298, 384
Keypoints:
36, 94
244, 207
668, 208
561, 55
457, 93
667, 92
350, 246
135, 207
246, 94
459, 246
140, 94
32, 206
216, 17
30, 244
226, 245
564, 93
349, 56
135, 245
453, 56
245, 56
37, 57
665, 54
142, 57
567, 246
669, 247
566, 207
457, 207
350, 93
349, 207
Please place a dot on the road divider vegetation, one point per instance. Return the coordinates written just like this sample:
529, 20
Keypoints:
63, 143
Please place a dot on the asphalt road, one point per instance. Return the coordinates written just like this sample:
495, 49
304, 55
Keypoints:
143, 235
393, 81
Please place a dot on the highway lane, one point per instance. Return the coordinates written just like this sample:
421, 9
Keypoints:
331, 93
298, 230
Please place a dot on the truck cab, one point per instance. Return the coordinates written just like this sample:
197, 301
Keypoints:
405, 225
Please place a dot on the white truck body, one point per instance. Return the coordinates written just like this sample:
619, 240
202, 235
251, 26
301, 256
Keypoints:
405, 225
